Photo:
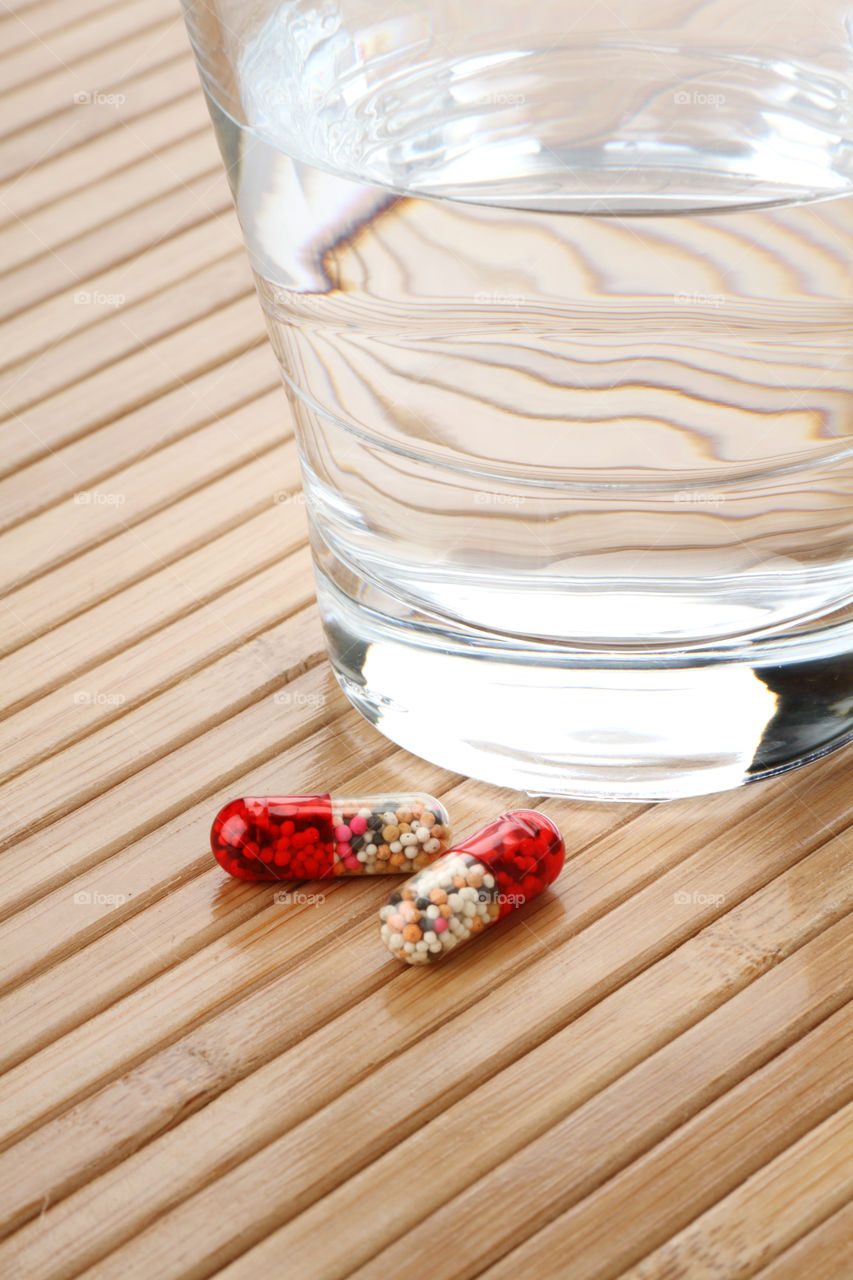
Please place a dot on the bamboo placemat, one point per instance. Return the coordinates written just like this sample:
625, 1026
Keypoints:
200, 1080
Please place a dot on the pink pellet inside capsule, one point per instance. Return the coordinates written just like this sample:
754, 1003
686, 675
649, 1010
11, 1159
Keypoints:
318, 836
492, 873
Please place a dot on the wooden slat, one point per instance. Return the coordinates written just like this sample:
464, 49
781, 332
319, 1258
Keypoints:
467, 1137
798, 1090
186, 205
136, 379
189, 299
151, 271
194, 155
274, 1102
38, 19
103, 71
211, 397
115, 751
261, 729
792, 1194
181, 548
168, 879
166, 75
574, 1157
55, 180
138, 604
71, 711
62, 47
824, 1254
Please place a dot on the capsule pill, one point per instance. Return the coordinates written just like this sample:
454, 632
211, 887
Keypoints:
317, 837
455, 898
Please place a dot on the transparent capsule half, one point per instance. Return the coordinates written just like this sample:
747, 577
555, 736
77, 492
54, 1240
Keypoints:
456, 898
317, 837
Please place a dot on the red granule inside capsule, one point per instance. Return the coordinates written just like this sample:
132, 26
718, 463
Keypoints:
524, 852
311, 837
273, 839
478, 882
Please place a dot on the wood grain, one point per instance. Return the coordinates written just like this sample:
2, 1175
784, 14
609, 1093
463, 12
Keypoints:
202, 1080
824, 1253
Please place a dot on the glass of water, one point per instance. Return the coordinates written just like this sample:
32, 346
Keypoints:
563, 301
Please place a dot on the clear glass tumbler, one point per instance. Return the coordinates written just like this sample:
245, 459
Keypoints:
563, 301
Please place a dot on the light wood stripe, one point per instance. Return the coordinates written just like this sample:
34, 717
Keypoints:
61, 48
169, 167
63, 717
149, 371
156, 269
823, 1254
102, 71
149, 87
52, 181
314, 1252
185, 575
147, 226
773, 1207
39, 20
69, 361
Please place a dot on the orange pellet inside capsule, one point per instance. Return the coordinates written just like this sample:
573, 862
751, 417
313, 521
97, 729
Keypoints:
320, 836
473, 886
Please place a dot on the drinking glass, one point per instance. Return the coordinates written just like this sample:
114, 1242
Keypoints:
561, 297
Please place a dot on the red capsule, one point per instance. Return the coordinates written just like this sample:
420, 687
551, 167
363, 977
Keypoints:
473, 886
317, 837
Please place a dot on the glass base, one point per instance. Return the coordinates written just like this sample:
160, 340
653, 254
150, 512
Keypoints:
596, 724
